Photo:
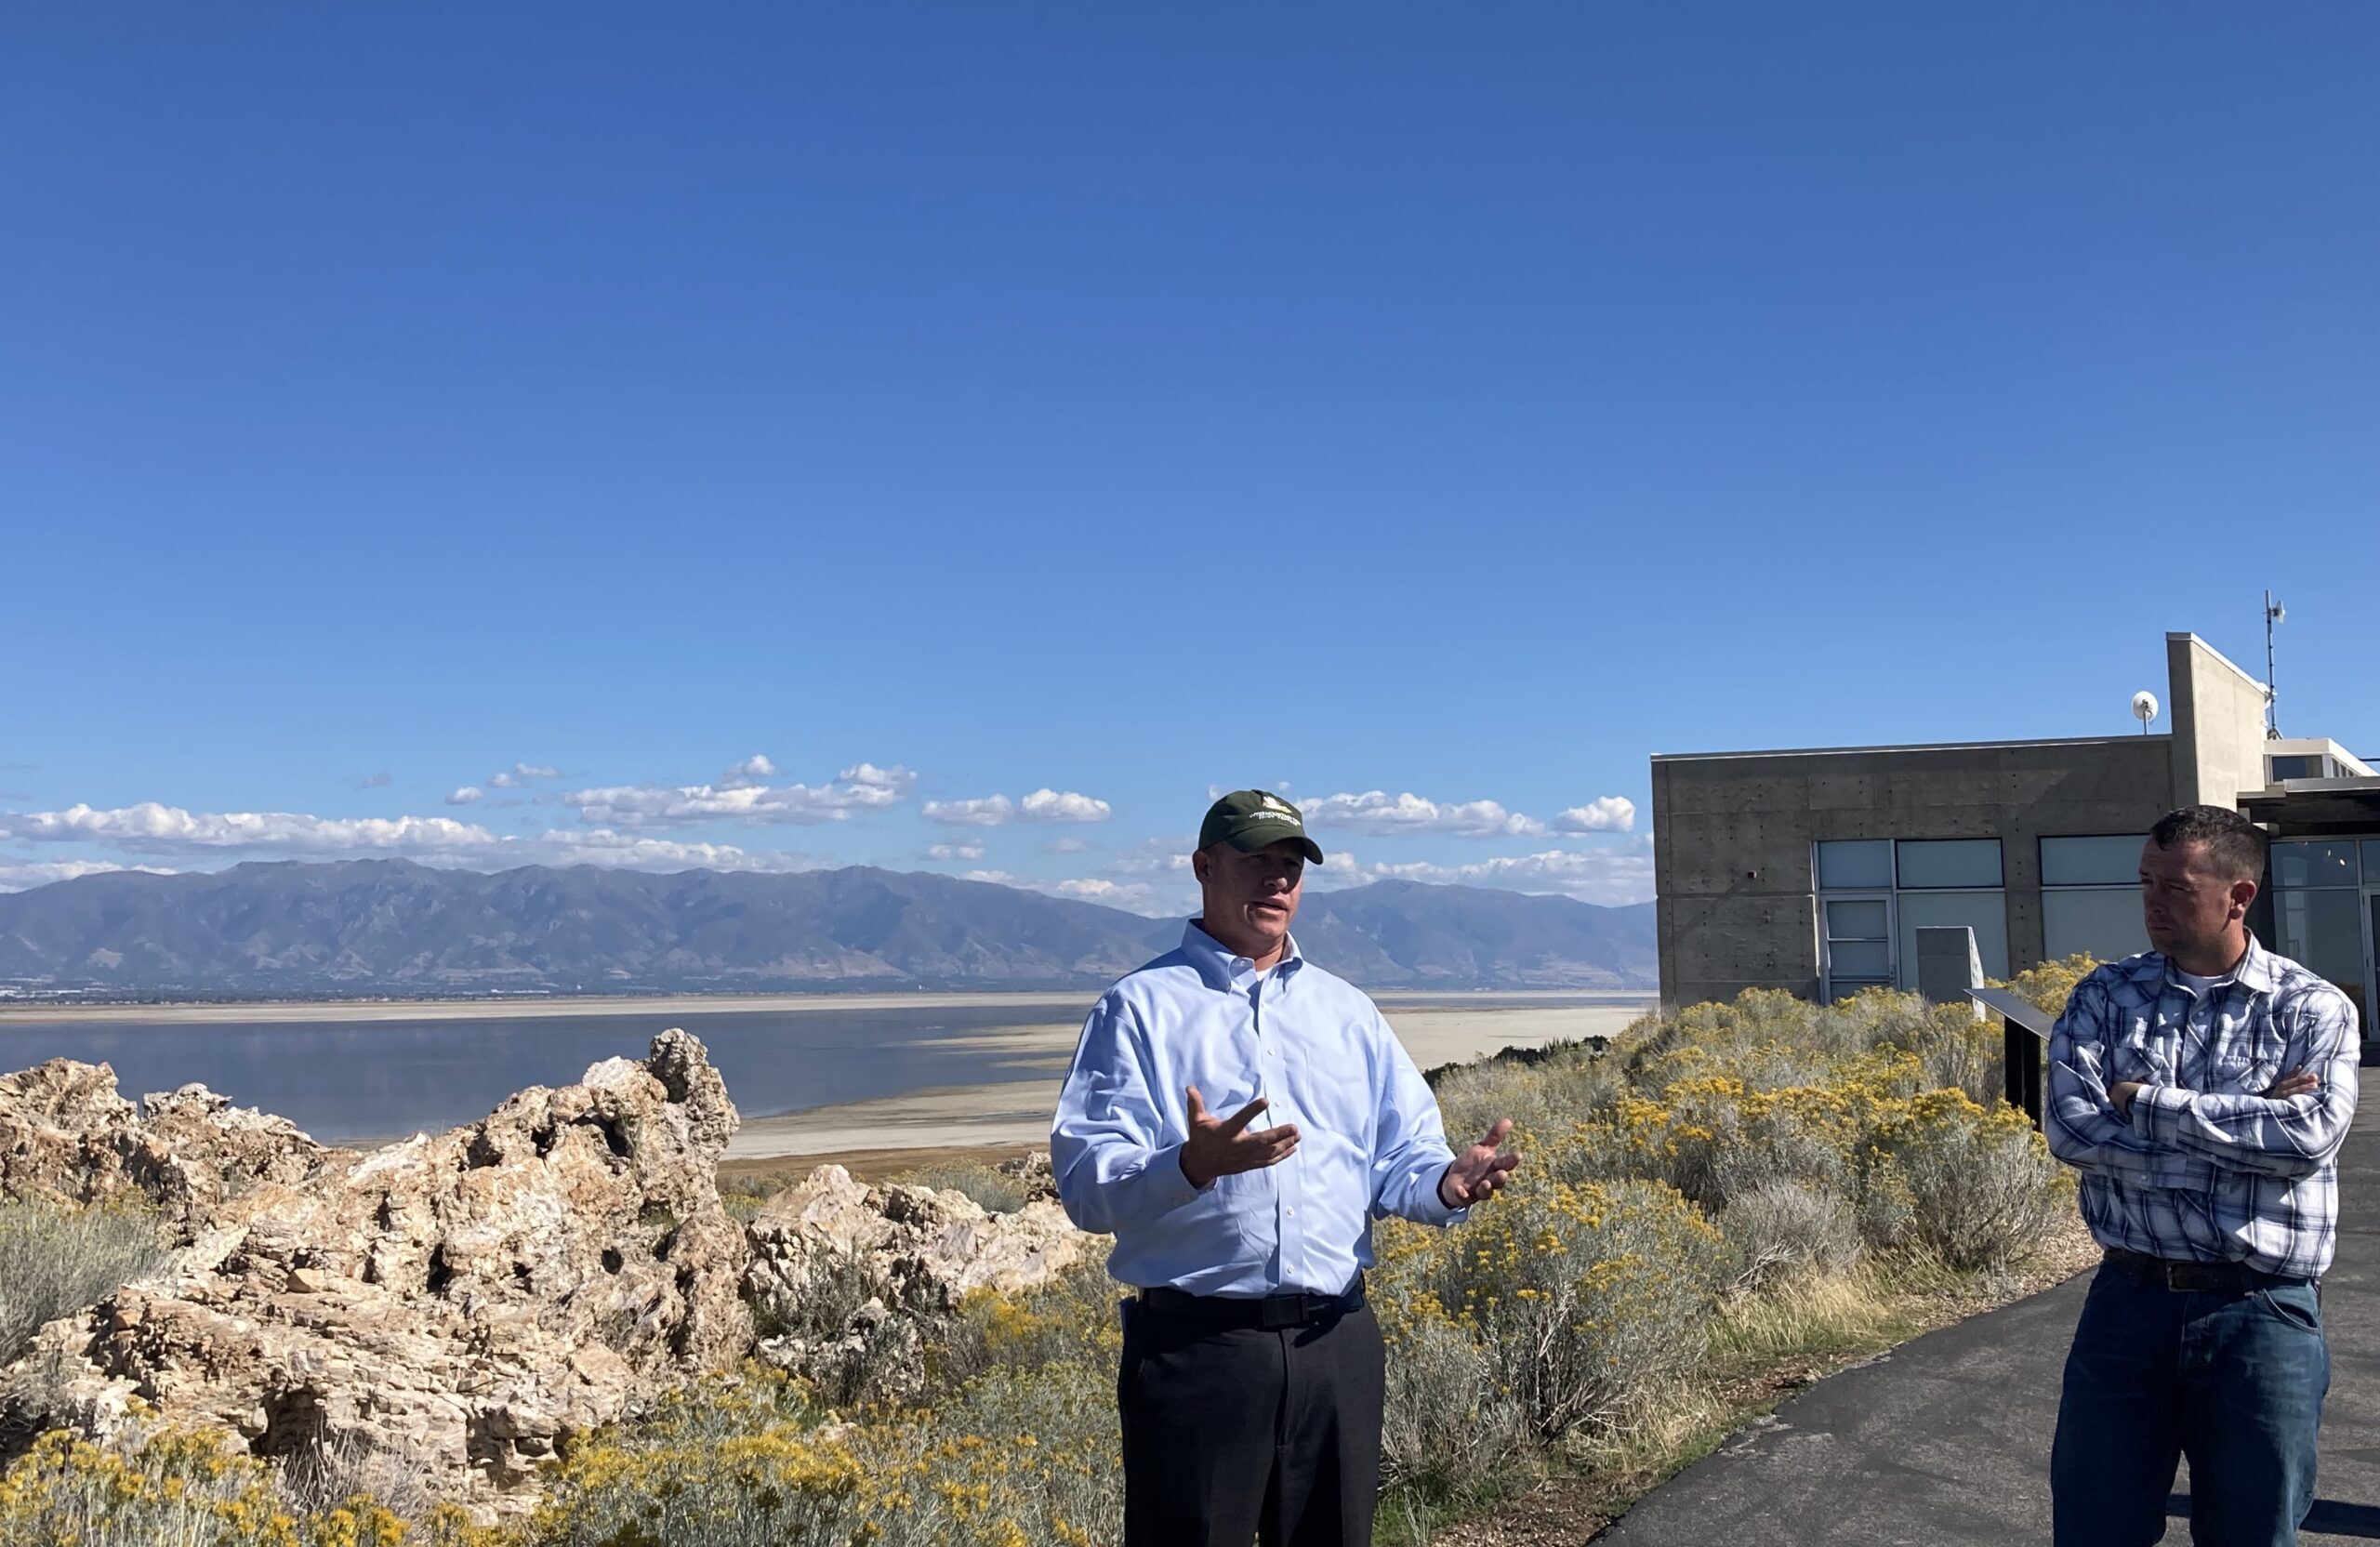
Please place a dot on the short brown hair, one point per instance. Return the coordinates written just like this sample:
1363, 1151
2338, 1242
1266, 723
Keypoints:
2235, 846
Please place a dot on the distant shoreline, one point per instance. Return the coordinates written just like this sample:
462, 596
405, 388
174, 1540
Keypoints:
217, 1012
1011, 1115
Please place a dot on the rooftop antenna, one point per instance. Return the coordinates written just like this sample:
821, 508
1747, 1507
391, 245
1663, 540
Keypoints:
2274, 613
2144, 709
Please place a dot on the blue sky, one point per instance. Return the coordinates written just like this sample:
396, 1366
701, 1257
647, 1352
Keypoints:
950, 402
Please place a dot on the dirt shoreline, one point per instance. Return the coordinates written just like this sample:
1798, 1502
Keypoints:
1013, 1116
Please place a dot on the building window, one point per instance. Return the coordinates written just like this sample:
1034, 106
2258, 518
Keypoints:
1858, 944
2301, 766
1963, 862
1874, 894
2318, 909
2091, 897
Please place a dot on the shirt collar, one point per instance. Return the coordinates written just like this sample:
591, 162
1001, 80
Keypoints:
2253, 973
1223, 970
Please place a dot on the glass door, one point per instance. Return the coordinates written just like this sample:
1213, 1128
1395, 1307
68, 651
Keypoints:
2370, 971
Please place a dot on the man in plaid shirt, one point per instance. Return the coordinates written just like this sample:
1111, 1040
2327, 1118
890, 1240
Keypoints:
2203, 1089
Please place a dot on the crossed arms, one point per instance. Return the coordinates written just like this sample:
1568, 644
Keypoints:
2137, 1130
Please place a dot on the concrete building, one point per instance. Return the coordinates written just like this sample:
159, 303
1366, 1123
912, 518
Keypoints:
1812, 871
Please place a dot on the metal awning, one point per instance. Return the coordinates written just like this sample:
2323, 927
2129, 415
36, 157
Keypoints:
2315, 807
2009, 1005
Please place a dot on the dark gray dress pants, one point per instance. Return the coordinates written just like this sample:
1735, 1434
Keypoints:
1246, 1435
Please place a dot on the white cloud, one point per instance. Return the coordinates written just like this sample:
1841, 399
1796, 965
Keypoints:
1132, 896
863, 787
1165, 855
633, 852
1605, 813
1379, 813
990, 811
1052, 805
24, 877
998, 811
521, 773
150, 828
1609, 876
969, 849
751, 771
1337, 871
465, 795
1066, 846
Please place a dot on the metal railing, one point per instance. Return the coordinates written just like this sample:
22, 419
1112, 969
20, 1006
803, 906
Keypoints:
2025, 1029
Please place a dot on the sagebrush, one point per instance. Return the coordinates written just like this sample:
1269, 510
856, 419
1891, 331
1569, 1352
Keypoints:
1728, 1182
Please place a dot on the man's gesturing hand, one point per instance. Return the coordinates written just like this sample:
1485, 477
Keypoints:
1478, 1171
1223, 1147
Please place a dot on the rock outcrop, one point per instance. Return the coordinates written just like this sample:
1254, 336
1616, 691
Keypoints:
463, 1304
843, 1276
466, 1301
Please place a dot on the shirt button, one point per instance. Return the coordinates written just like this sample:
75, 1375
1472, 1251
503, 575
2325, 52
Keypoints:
1293, 1209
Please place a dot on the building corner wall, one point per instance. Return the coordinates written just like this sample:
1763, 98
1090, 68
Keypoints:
2218, 714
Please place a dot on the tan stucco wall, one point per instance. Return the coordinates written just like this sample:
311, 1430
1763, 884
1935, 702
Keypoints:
2219, 717
1732, 835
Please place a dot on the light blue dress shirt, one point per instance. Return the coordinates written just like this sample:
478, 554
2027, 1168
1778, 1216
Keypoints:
1370, 1141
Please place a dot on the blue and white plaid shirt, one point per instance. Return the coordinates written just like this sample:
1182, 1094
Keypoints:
2206, 1169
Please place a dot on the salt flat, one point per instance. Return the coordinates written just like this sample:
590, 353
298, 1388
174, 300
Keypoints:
1017, 1112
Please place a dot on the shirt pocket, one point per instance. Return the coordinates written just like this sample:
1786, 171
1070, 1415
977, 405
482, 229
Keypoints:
2238, 1071
2246, 1063
2139, 1053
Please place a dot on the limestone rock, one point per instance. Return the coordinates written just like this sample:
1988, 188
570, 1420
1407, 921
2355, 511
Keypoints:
847, 1270
62, 1128
466, 1300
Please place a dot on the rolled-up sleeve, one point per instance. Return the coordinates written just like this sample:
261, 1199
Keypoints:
1117, 1159
1410, 1151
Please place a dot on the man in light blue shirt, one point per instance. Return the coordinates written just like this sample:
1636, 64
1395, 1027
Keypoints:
1252, 1374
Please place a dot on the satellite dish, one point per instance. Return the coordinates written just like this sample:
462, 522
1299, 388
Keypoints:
2144, 709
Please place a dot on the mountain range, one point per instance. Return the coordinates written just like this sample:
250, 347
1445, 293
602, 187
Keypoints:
368, 927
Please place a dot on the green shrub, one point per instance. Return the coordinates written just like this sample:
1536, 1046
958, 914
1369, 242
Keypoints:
56, 1259
1072, 1319
1544, 1099
995, 1191
1447, 1426
2050, 985
1983, 1189
1581, 1294
1782, 1229
158, 1485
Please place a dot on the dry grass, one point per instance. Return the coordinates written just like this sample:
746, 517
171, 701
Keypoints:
1724, 1205
56, 1258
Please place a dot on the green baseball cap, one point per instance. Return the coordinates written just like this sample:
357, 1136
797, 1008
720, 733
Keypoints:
1249, 819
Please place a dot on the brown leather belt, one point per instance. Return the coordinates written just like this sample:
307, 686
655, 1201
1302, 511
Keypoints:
2192, 1277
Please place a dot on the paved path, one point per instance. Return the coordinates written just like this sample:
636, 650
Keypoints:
1945, 1440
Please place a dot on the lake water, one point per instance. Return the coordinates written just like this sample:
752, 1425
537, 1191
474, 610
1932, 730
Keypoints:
350, 1081
364, 1082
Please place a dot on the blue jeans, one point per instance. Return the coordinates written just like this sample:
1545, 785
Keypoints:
2234, 1380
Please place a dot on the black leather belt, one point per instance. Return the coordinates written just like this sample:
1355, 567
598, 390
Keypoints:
2192, 1277
1272, 1314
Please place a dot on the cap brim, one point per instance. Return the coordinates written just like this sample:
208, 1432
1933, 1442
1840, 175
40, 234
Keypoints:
1264, 835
